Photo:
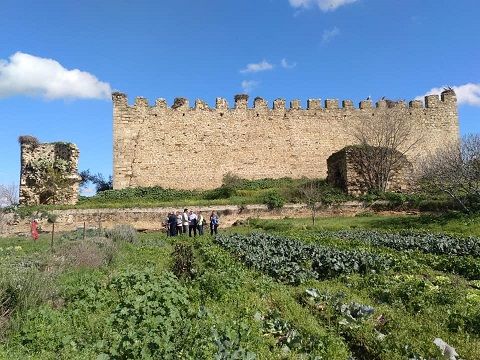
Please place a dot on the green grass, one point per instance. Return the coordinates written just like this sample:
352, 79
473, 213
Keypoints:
454, 223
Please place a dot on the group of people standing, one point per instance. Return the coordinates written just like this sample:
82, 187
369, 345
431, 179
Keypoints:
190, 221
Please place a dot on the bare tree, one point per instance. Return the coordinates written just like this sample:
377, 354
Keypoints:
383, 144
8, 195
455, 170
315, 192
312, 193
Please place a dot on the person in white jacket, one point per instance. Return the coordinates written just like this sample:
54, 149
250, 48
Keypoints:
192, 224
185, 221
200, 223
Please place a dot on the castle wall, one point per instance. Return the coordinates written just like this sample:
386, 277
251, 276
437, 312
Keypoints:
194, 147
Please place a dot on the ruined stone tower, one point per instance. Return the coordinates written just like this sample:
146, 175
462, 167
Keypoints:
48, 172
193, 148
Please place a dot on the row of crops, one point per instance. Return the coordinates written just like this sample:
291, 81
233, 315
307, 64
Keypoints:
430, 243
375, 289
293, 261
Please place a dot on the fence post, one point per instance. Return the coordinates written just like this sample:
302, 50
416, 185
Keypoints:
53, 233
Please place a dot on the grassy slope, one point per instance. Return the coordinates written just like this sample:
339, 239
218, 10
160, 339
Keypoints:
454, 223
234, 192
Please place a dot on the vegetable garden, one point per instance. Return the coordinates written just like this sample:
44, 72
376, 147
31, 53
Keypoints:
310, 293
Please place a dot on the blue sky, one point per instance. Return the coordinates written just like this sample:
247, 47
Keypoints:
59, 60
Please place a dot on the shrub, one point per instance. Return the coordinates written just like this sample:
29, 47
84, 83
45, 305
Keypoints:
101, 184
78, 234
122, 233
267, 183
155, 193
21, 290
437, 205
51, 218
232, 181
92, 252
396, 199
223, 192
183, 260
273, 200
227, 212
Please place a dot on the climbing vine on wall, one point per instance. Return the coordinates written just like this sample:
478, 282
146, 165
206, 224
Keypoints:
50, 178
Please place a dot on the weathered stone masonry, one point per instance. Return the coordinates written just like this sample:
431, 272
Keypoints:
344, 171
188, 148
35, 157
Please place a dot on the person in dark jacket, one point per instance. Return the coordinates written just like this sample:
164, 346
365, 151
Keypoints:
172, 224
213, 223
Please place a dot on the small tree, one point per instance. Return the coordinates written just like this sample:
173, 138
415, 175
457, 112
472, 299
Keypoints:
101, 184
383, 146
455, 170
312, 193
318, 191
8, 195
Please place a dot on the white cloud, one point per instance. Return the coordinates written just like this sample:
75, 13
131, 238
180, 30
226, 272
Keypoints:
328, 35
466, 94
324, 5
286, 65
249, 85
261, 66
26, 74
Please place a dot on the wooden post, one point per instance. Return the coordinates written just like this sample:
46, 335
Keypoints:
99, 230
84, 230
53, 233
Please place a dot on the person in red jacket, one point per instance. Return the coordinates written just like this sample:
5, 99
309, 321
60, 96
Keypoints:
34, 229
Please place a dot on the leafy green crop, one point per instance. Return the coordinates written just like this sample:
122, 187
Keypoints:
150, 319
439, 244
293, 262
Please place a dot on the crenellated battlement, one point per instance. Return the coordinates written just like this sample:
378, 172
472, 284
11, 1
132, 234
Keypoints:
447, 98
191, 145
